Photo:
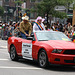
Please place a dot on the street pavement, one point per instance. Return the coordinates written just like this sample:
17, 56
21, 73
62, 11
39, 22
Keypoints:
25, 67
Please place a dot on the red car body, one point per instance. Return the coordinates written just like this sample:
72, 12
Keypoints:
67, 56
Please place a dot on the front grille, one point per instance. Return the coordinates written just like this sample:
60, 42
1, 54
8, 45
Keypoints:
71, 52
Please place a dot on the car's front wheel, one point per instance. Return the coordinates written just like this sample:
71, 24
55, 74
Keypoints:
13, 54
43, 59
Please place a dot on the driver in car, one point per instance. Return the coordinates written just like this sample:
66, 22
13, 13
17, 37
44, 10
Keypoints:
25, 27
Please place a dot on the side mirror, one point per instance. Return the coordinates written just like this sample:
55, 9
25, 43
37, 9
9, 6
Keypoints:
30, 38
32, 35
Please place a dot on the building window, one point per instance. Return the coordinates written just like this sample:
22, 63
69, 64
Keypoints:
32, 0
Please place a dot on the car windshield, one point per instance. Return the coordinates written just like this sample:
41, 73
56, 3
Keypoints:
45, 36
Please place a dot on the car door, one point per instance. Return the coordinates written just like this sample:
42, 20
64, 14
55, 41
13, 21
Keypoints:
27, 49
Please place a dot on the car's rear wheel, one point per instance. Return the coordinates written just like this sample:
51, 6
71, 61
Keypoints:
43, 59
13, 54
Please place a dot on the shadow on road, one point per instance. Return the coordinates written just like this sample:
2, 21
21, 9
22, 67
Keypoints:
61, 68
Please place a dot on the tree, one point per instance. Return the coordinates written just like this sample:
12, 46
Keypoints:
48, 7
1, 11
73, 20
19, 2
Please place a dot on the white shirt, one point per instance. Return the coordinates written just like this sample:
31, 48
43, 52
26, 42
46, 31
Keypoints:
36, 28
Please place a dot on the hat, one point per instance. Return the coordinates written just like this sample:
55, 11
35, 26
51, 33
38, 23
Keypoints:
25, 18
40, 18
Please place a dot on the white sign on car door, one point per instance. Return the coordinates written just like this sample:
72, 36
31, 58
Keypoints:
27, 50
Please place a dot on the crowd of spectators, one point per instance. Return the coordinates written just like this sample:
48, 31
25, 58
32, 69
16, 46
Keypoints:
67, 29
9, 29
12, 29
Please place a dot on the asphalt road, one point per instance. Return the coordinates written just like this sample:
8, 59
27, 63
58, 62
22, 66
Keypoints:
25, 67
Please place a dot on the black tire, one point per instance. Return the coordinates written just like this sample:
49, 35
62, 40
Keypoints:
43, 59
13, 54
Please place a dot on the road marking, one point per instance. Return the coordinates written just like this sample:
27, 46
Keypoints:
4, 52
5, 67
4, 59
3, 40
3, 46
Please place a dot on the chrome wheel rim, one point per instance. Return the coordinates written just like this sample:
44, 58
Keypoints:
42, 59
12, 53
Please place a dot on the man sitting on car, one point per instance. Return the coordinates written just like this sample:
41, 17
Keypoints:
25, 27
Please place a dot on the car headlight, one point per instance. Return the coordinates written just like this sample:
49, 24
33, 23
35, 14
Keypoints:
56, 51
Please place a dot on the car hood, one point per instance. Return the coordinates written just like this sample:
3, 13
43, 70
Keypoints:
59, 44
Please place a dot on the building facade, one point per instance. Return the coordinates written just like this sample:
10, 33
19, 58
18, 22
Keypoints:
1, 3
31, 4
11, 10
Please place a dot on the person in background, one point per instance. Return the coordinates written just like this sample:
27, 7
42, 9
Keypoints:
66, 32
25, 27
69, 27
60, 27
16, 30
0, 28
53, 26
73, 33
57, 23
38, 25
12, 30
9, 33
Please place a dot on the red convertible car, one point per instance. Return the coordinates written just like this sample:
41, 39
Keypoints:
43, 46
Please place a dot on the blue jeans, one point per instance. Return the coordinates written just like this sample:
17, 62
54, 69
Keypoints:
23, 35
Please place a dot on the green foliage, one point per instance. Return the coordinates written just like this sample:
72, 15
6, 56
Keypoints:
61, 15
48, 7
74, 5
1, 11
19, 2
